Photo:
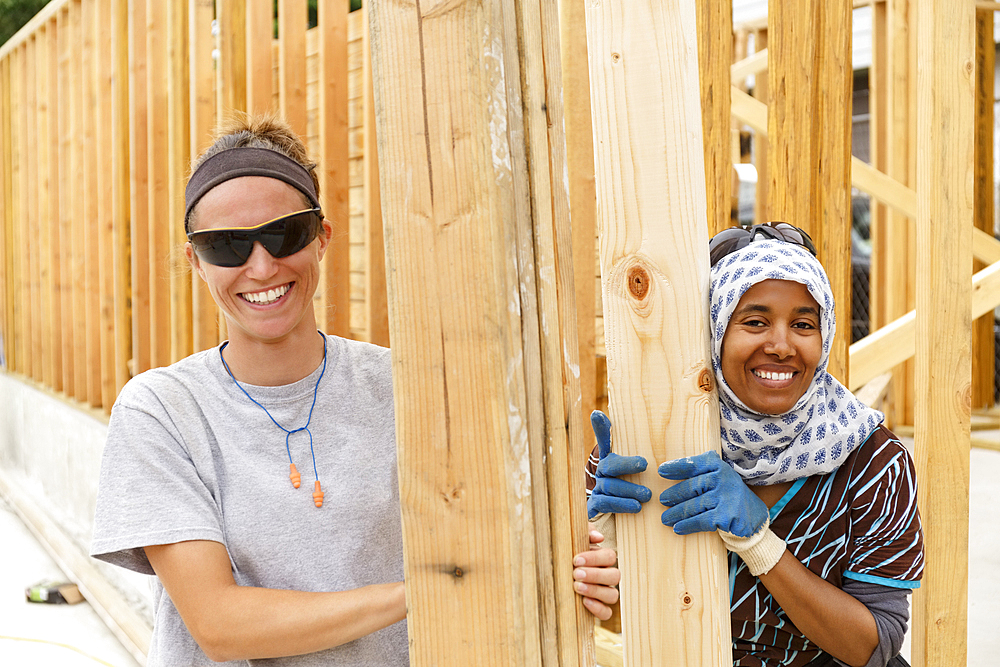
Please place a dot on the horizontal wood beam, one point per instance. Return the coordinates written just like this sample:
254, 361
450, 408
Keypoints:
896, 342
46, 14
751, 65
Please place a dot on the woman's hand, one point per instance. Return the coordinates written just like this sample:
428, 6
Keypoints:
711, 496
596, 576
612, 495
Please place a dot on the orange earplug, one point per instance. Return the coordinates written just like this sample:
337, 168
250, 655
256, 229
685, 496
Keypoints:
318, 495
295, 476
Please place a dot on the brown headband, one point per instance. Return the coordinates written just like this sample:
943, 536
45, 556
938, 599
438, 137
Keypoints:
246, 161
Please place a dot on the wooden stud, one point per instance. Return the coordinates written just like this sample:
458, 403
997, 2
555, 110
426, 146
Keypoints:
178, 162
79, 225
120, 233
809, 127
292, 19
463, 220
204, 313
34, 367
104, 137
335, 175
259, 41
582, 192
158, 174
53, 286
376, 299
6, 216
42, 187
91, 62
19, 185
654, 268
760, 142
64, 203
140, 207
946, 93
983, 345
715, 56
232, 64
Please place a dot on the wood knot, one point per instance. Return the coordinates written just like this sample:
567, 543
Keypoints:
638, 282
686, 600
705, 381
615, 58
458, 573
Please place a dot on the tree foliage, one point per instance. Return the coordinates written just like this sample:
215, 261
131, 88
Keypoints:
15, 13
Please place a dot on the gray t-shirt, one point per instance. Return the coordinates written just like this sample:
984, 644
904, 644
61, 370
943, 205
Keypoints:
189, 457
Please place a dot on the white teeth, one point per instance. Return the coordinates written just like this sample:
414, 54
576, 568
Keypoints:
265, 298
767, 375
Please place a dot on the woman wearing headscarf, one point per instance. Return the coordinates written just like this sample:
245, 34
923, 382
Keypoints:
814, 498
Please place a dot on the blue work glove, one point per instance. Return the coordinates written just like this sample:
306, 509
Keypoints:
612, 495
711, 497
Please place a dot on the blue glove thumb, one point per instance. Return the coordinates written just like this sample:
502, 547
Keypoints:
612, 495
711, 496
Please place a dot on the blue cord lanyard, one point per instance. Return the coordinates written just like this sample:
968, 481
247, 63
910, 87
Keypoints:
288, 434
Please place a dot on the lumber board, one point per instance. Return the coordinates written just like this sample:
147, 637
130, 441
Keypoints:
44, 184
715, 55
761, 206
466, 160
34, 365
104, 136
582, 192
376, 298
809, 127
946, 91
63, 201
77, 199
90, 204
232, 66
204, 313
752, 65
654, 269
178, 162
292, 20
139, 188
983, 345
878, 101
334, 164
120, 233
6, 215
259, 41
28, 30
158, 183
54, 283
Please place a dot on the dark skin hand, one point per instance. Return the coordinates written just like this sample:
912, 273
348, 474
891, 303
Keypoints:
596, 577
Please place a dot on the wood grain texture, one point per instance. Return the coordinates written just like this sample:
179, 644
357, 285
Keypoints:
232, 64
334, 165
66, 250
139, 207
809, 129
90, 206
946, 90
475, 211
121, 257
376, 299
158, 183
654, 269
178, 164
292, 23
259, 47
715, 57
983, 345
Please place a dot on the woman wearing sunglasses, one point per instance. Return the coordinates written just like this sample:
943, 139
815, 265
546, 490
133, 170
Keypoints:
200, 482
812, 496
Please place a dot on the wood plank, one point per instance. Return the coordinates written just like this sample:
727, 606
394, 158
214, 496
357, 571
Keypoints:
64, 200
654, 268
28, 30
120, 251
34, 367
92, 288
983, 345
292, 21
178, 164
259, 40
7, 207
376, 298
139, 159
761, 207
809, 126
104, 136
158, 183
458, 206
80, 228
946, 92
715, 56
43, 188
55, 270
204, 313
582, 192
752, 65
232, 65
335, 174
878, 111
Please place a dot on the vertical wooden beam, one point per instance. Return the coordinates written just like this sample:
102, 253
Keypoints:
91, 63
232, 66
654, 271
6, 214
878, 113
259, 41
809, 127
104, 136
983, 348
139, 188
582, 192
946, 92
121, 255
715, 55
66, 250
53, 343
292, 21
80, 226
762, 197
178, 161
204, 313
475, 207
376, 299
43, 186
157, 231
20, 114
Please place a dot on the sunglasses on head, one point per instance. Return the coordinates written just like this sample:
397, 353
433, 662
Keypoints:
730, 240
231, 246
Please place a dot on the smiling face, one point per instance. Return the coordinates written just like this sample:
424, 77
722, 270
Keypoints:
265, 299
772, 346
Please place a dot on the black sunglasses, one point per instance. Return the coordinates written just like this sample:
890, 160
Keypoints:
730, 240
284, 236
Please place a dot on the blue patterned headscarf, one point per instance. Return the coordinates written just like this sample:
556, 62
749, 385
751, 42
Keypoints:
828, 422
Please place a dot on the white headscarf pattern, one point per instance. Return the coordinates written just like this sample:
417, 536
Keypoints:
827, 423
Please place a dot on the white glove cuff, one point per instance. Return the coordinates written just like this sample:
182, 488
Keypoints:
761, 551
